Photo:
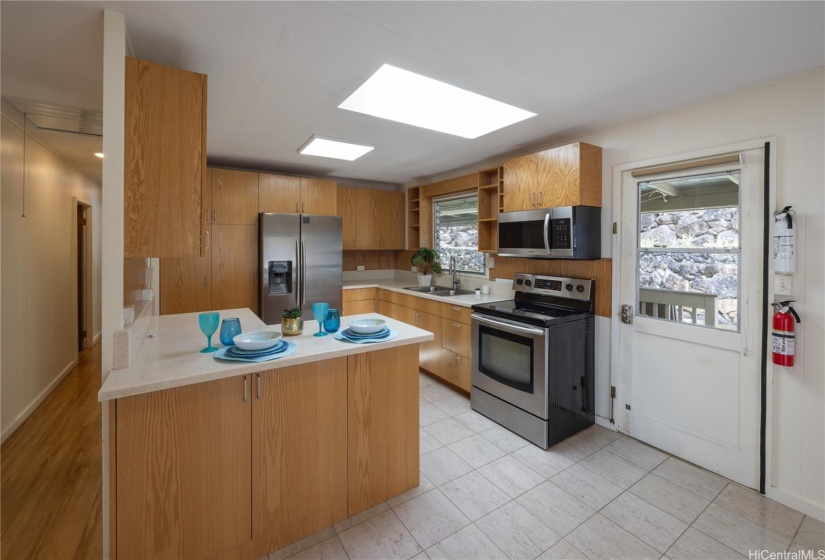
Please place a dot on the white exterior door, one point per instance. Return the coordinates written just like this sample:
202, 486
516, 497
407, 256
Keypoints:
691, 270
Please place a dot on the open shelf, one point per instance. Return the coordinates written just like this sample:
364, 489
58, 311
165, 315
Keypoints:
489, 206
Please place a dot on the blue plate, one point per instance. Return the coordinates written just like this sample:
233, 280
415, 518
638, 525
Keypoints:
389, 336
287, 349
241, 353
358, 336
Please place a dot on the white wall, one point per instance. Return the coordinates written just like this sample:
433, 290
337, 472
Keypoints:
114, 123
39, 302
793, 110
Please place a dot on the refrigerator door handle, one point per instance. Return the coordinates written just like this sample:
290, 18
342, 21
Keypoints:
303, 273
298, 273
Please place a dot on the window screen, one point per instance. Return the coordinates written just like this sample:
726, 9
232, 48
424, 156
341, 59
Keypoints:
456, 233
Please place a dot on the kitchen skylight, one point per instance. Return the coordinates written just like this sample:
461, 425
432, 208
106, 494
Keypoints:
337, 149
402, 96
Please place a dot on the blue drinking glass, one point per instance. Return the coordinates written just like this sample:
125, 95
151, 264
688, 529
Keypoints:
333, 322
208, 322
230, 328
319, 311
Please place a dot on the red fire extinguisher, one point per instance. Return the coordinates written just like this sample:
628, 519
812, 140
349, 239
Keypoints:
783, 333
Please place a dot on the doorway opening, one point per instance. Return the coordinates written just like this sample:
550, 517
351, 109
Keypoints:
83, 240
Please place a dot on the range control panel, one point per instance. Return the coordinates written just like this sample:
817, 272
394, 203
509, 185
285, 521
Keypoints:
571, 288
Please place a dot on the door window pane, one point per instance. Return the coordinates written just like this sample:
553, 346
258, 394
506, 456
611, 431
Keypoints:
689, 241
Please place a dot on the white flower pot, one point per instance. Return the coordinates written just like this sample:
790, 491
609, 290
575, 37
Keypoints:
425, 279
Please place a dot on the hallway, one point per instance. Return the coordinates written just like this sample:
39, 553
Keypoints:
51, 473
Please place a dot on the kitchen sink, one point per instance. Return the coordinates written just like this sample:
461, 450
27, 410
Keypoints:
442, 291
428, 289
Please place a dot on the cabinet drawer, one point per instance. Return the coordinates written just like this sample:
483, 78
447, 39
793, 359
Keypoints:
359, 306
456, 313
455, 369
388, 295
356, 294
456, 337
426, 305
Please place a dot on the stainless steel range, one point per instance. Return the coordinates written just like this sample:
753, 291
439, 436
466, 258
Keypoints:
533, 358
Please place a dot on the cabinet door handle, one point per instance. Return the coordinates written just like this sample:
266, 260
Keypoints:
214, 215
206, 281
207, 216
457, 325
259, 385
245, 389
456, 308
296, 207
540, 197
302, 208
457, 358
208, 239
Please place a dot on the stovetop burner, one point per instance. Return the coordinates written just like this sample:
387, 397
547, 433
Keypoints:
542, 300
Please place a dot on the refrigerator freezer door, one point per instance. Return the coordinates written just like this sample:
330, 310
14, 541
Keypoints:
279, 241
322, 265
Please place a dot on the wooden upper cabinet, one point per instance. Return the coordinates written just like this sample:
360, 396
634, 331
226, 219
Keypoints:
297, 195
348, 211
373, 219
234, 197
564, 176
390, 217
165, 160
279, 194
184, 471
318, 196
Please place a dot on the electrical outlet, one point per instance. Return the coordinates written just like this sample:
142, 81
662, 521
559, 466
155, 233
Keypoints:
359, 268
414, 268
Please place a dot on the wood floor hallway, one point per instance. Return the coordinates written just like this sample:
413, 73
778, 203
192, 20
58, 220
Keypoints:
51, 473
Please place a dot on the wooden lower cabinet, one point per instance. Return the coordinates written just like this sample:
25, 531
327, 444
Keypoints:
388, 309
429, 356
299, 452
456, 369
456, 337
382, 425
184, 471
239, 467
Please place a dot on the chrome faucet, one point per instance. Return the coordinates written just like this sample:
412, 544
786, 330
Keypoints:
454, 272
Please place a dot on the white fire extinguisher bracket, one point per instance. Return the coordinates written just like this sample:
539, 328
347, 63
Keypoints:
784, 242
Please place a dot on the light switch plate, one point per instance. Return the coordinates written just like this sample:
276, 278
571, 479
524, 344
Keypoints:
359, 268
491, 262
782, 285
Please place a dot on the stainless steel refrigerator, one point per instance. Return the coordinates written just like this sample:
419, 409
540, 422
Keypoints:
300, 261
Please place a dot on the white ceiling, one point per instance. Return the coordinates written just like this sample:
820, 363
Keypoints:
278, 70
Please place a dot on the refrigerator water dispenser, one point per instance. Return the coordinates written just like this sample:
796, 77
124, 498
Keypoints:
280, 277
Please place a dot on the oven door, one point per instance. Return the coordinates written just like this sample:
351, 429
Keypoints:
510, 362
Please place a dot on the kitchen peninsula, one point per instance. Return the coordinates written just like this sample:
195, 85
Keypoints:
231, 459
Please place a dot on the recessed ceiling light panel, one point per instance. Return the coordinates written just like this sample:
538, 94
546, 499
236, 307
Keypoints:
410, 98
337, 149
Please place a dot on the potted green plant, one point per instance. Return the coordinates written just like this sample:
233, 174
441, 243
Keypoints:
427, 262
293, 323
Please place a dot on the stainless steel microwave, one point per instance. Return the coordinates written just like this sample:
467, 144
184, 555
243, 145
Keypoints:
570, 232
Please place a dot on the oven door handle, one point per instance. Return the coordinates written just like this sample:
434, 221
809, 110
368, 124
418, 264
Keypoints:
506, 324
547, 243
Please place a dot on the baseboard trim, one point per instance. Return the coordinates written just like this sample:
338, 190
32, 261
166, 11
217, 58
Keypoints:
817, 511
23, 416
96, 338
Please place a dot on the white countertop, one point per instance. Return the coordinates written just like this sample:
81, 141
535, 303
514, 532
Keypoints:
399, 285
168, 352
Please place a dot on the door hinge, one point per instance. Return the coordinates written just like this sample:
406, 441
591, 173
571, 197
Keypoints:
615, 228
627, 407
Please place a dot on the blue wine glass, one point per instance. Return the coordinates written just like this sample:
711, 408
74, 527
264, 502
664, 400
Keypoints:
208, 323
333, 322
319, 311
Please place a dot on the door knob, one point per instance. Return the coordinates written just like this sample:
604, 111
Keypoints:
627, 314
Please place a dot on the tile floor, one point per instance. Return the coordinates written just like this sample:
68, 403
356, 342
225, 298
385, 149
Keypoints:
486, 493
